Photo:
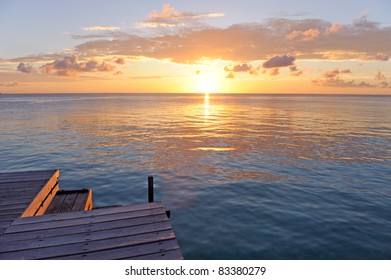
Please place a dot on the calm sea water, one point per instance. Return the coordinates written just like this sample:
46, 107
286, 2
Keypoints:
245, 176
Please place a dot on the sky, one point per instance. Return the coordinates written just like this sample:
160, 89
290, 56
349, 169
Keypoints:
214, 46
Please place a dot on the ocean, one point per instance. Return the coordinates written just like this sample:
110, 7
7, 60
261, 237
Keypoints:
245, 176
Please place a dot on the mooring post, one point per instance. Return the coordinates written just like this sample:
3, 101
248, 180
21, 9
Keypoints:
150, 189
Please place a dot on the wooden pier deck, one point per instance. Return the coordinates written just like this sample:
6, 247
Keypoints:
140, 231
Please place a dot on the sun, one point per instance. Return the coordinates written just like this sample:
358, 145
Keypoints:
207, 85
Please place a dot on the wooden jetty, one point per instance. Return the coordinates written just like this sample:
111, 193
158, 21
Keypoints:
39, 221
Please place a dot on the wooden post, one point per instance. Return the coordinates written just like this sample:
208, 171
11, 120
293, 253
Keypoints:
150, 189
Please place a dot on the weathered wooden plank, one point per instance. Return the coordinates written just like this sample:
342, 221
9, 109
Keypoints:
26, 176
84, 220
18, 179
16, 212
85, 236
167, 255
8, 218
15, 206
18, 200
43, 198
4, 224
83, 214
77, 248
83, 201
51, 232
68, 202
17, 193
55, 205
126, 252
37, 184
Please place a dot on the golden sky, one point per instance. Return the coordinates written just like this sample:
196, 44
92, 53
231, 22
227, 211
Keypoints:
221, 47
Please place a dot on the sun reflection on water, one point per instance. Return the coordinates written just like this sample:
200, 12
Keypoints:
206, 105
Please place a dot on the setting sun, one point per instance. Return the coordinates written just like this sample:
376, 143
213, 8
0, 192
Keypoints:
207, 86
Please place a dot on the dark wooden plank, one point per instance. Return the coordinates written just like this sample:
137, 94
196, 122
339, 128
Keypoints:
14, 206
9, 217
16, 193
17, 212
96, 212
77, 248
23, 185
26, 176
68, 202
4, 224
18, 200
51, 232
166, 255
83, 201
83, 220
55, 205
126, 252
84, 236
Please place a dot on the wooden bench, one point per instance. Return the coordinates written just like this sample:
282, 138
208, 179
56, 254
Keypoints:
70, 201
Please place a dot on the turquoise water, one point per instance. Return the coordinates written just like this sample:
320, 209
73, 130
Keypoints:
245, 176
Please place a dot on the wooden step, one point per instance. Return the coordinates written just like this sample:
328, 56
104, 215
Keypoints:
70, 201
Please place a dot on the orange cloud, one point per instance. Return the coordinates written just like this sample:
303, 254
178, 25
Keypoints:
70, 66
332, 78
25, 68
334, 28
379, 56
100, 28
306, 35
380, 76
12, 84
274, 72
244, 67
279, 61
295, 71
169, 16
120, 61
230, 75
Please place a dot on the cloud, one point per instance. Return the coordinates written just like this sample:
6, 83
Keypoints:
331, 74
38, 57
169, 17
295, 71
334, 28
71, 66
248, 42
380, 76
337, 82
244, 67
346, 71
12, 84
379, 56
363, 23
332, 78
100, 28
237, 43
25, 68
230, 75
274, 72
120, 61
306, 35
279, 61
